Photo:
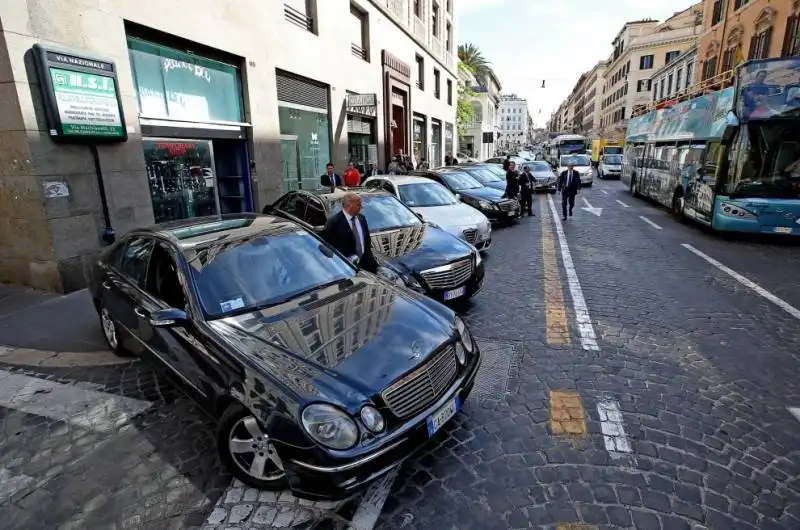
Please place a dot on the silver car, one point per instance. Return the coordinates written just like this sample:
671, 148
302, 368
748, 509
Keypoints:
610, 167
436, 204
546, 179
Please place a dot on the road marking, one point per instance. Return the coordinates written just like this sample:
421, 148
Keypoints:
786, 306
575, 526
567, 415
11, 483
614, 437
585, 328
371, 504
591, 209
795, 412
604, 192
622, 204
651, 223
90, 409
555, 310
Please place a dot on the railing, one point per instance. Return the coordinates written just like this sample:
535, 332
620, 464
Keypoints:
712, 84
420, 85
298, 18
358, 51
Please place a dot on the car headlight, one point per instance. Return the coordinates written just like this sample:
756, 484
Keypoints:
461, 357
478, 258
372, 419
330, 426
465, 335
486, 205
389, 275
734, 210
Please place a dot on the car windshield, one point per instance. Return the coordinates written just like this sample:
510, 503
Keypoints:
460, 181
496, 170
424, 194
240, 276
539, 167
575, 160
484, 176
612, 159
383, 212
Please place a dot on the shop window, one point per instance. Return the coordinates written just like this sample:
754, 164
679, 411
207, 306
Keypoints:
174, 85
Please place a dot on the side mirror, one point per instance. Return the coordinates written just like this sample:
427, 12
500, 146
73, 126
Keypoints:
353, 259
458, 196
168, 318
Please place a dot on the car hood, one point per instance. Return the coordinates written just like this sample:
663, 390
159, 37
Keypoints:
343, 343
416, 248
486, 194
452, 215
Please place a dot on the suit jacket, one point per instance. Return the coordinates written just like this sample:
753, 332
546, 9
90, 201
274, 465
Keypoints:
339, 234
512, 184
575, 185
325, 180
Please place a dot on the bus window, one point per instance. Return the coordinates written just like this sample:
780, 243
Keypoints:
711, 162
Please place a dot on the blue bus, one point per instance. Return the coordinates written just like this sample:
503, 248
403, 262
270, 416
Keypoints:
729, 159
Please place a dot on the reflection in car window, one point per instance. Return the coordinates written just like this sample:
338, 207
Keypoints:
383, 213
315, 213
265, 270
162, 279
460, 181
483, 175
133, 263
425, 194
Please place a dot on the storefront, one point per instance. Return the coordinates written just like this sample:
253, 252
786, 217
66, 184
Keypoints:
397, 104
448, 139
305, 127
436, 143
195, 141
362, 142
419, 140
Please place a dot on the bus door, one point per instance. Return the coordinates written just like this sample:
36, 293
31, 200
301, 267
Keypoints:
701, 177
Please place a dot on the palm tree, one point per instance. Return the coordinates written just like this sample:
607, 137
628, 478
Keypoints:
471, 57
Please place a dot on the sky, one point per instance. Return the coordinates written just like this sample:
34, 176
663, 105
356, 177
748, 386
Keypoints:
551, 40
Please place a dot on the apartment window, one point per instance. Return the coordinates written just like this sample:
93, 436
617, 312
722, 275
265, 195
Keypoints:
449, 6
435, 20
645, 62
739, 3
643, 85
678, 75
671, 56
449, 92
661, 88
727, 59
448, 37
420, 73
360, 49
709, 68
716, 13
418, 8
791, 41
300, 13
669, 85
437, 84
689, 70
759, 45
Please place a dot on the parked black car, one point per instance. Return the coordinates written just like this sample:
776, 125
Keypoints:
486, 175
322, 377
488, 200
420, 255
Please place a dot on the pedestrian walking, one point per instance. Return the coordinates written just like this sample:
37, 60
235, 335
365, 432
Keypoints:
512, 182
526, 183
569, 184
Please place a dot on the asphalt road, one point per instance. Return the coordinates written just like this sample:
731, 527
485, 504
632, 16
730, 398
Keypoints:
638, 373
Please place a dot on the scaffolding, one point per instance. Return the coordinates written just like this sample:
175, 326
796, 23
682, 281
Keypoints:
706, 86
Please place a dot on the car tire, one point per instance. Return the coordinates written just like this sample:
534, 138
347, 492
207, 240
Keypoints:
111, 332
239, 435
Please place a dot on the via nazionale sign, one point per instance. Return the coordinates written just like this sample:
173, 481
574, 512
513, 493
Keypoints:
81, 96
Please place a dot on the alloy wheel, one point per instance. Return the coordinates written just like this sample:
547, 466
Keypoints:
253, 452
109, 328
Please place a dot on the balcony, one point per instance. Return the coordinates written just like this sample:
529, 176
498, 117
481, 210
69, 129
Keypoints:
420, 30
359, 52
298, 18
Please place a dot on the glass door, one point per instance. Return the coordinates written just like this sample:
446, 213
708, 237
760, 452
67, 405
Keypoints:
290, 157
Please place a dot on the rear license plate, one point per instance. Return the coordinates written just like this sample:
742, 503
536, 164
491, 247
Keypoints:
440, 417
782, 230
455, 293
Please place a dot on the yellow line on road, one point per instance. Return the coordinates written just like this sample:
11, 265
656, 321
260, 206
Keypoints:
575, 526
555, 310
567, 415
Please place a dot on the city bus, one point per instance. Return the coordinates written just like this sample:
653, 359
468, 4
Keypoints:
729, 159
566, 144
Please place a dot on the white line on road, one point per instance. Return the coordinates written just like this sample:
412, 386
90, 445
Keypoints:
11, 483
614, 437
585, 328
604, 192
786, 306
90, 409
372, 504
651, 223
622, 204
795, 412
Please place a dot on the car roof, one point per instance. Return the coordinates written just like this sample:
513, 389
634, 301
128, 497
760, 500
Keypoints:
403, 179
336, 194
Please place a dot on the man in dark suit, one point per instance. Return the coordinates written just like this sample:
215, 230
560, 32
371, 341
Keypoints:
347, 232
329, 178
512, 182
569, 184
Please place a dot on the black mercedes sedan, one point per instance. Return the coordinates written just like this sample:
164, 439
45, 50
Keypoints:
322, 377
411, 252
488, 200
489, 175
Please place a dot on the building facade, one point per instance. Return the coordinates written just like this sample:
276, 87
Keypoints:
593, 99
216, 121
513, 122
480, 135
739, 30
675, 78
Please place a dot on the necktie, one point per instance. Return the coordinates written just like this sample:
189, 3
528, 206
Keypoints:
359, 246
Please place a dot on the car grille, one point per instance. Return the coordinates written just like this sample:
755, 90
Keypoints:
507, 206
419, 389
449, 276
470, 234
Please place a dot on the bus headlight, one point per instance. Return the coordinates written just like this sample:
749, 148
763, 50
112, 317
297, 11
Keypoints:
729, 209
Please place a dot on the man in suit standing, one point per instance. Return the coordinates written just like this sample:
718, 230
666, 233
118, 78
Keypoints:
347, 232
569, 184
512, 182
329, 178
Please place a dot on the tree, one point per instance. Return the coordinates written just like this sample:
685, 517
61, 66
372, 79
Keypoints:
472, 58
465, 113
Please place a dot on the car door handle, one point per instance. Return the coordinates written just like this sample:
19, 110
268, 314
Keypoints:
139, 313
106, 286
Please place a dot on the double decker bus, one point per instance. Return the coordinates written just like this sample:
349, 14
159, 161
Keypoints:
728, 159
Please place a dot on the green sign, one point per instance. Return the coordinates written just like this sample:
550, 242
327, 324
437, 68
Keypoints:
87, 104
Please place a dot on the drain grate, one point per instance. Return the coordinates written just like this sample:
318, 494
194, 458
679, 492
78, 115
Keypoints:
499, 368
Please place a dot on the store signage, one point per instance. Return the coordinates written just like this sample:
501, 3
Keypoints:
362, 104
81, 96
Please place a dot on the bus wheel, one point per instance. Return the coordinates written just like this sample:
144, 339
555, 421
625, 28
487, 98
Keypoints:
678, 206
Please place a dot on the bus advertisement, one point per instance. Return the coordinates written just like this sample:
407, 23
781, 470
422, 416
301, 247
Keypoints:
728, 159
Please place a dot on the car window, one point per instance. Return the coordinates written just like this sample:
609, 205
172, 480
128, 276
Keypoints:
425, 194
287, 203
133, 262
612, 159
388, 186
457, 181
372, 184
384, 212
315, 212
163, 282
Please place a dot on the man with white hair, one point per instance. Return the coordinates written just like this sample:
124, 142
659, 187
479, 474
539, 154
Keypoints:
347, 232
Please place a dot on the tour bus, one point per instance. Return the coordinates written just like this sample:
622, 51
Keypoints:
728, 159
566, 144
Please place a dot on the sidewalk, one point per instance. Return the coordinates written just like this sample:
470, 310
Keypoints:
46, 329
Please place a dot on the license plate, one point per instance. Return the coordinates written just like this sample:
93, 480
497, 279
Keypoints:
782, 230
440, 417
455, 293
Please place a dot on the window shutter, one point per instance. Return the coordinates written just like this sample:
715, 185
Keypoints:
767, 35
751, 53
791, 26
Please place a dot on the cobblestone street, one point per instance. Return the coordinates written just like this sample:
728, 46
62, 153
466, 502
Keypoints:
637, 373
